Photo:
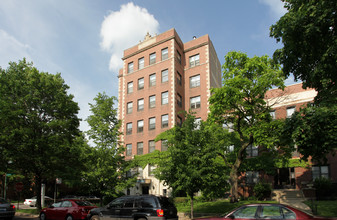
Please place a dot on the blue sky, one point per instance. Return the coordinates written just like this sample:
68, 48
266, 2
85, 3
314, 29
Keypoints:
84, 39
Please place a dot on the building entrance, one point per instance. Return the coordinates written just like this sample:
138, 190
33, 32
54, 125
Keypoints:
284, 178
145, 190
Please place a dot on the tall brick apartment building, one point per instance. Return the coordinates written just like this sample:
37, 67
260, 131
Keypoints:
161, 77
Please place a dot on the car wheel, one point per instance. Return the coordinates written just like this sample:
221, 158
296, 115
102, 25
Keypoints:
43, 216
94, 217
69, 217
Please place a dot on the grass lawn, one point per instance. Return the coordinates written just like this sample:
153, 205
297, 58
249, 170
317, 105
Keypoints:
326, 208
30, 211
215, 207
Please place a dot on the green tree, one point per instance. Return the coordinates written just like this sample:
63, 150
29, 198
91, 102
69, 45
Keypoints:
107, 168
240, 105
308, 33
38, 122
314, 131
187, 165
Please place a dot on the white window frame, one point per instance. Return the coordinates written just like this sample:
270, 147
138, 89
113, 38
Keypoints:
164, 121
164, 54
130, 87
152, 80
195, 102
195, 81
141, 63
164, 98
152, 103
194, 60
140, 126
164, 76
152, 123
140, 104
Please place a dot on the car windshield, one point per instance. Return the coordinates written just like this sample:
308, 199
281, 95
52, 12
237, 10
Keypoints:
84, 203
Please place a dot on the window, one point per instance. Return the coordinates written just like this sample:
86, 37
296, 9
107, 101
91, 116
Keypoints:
140, 83
129, 107
252, 177
140, 149
290, 111
140, 126
288, 214
140, 169
179, 100
230, 149
273, 212
130, 87
179, 78
164, 145
151, 169
152, 123
140, 105
194, 60
195, 102
152, 80
130, 67
179, 57
152, 58
152, 101
248, 212
164, 121
164, 98
164, 54
197, 123
152, 146
320, 171
164, 76
252, 151
141, 63
194, 81
129, 128
273, 114
128, 149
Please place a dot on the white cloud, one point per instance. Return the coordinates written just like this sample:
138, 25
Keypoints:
123, 29
276, 7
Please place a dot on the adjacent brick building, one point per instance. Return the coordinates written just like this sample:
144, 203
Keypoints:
161, 77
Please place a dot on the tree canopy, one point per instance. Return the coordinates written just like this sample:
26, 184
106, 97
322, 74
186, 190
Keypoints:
308, 34
188, 165
106, 173
38, 122
239, 104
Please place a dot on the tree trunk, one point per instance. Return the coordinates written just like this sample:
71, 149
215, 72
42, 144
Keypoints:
192, 207
233, 179
38, 182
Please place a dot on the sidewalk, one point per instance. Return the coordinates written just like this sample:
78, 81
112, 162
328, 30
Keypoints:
291, 197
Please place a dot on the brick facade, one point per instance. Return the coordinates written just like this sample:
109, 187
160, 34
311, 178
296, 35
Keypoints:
175, 90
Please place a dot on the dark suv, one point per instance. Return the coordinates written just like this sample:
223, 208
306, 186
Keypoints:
142, 207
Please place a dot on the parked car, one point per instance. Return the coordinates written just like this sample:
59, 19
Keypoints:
68, 209
143, 207
32, 201
7, 210
265, 211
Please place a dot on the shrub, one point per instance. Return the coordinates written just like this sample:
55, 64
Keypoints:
262, 191
324, 188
